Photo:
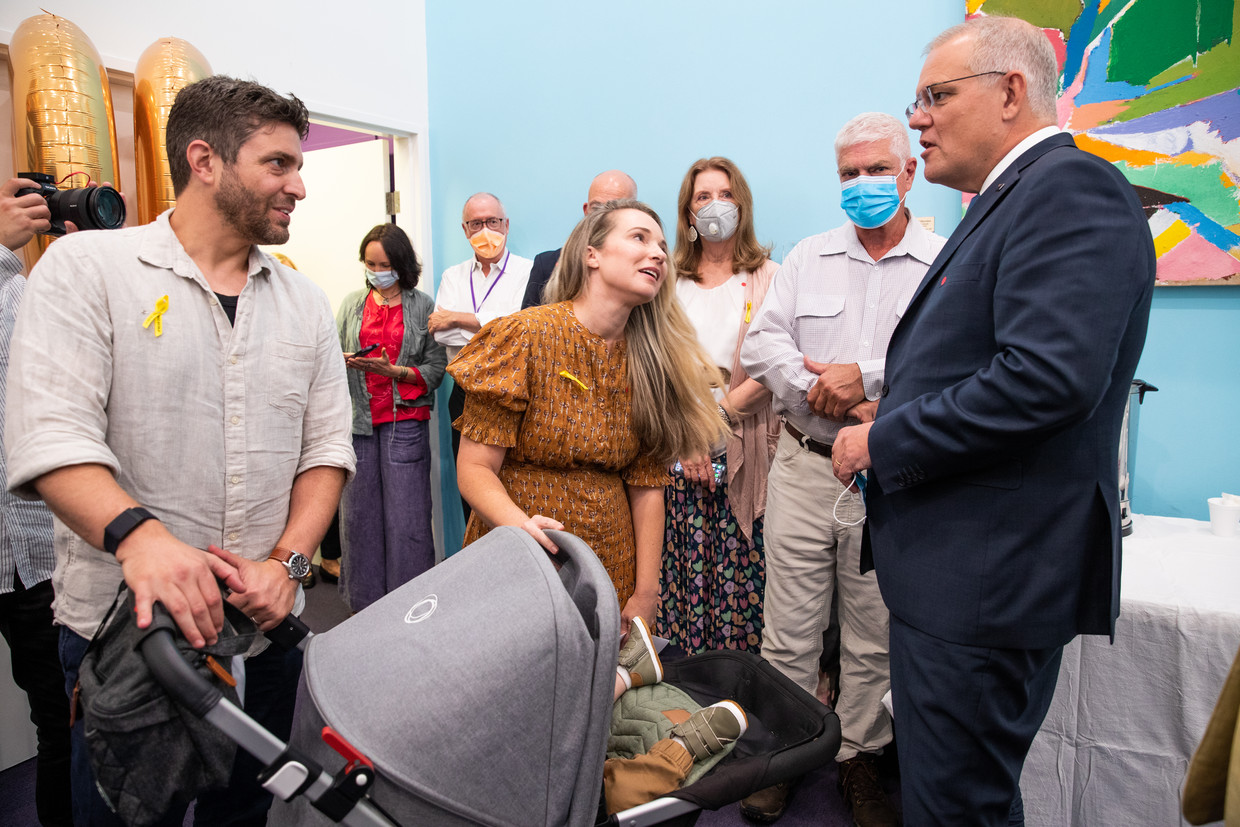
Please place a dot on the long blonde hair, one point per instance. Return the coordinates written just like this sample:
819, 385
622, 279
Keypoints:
671, 376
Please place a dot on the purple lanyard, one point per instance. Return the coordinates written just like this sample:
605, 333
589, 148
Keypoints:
473, 296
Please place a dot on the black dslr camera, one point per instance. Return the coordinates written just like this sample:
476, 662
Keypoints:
90, 208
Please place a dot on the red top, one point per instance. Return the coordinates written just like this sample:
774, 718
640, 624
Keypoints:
385, 324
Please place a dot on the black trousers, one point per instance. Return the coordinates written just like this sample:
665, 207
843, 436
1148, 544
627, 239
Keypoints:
26, 623
965, 718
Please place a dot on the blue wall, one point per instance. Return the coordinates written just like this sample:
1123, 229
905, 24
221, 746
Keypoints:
529, 101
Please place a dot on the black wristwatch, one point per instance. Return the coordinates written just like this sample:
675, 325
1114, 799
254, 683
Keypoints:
123, 526
298, 564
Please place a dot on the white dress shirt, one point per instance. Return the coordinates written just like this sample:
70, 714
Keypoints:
833, 303
1028, 143
494, 294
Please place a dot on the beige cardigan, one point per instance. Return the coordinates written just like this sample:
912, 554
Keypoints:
751, 447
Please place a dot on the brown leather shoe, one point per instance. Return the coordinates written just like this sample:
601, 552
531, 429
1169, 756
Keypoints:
767, 805
862, 791
330, 570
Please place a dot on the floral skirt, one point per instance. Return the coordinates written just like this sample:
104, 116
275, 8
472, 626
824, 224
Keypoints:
712, 577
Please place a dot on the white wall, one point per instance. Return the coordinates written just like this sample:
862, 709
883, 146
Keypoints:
363, 61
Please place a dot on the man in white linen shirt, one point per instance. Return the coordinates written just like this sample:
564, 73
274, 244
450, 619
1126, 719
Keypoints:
818, 343
488, 285
176, 367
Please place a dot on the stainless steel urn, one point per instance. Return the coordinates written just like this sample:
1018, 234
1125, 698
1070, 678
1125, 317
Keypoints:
1128, 450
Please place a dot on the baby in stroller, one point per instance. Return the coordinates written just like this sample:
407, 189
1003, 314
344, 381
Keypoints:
628, 782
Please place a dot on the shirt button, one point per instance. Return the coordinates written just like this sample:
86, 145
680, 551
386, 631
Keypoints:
865, 344
232, 360
232, 537
235, 420
235, 479
885, 390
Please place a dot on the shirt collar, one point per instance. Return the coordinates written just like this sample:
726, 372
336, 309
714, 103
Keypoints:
475, 266
162, 248
915, 243
1029, 142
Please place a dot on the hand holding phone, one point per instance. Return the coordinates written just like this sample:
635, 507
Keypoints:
366, 350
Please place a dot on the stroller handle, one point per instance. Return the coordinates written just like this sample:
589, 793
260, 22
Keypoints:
290, 634
179, 679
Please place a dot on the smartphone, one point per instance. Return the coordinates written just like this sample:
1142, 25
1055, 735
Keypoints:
366, 350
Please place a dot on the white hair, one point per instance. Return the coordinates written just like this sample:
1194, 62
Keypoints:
874, 126
1009, 44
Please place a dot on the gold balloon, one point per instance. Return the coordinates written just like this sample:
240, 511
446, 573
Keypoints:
166, 67
285, 260
62, 108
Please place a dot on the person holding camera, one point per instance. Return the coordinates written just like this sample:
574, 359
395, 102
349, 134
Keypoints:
395, 367
26, 554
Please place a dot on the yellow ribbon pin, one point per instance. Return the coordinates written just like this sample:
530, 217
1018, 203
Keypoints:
156, 317
748, 307
568, 375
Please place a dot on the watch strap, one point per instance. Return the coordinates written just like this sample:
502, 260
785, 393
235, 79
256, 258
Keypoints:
285, 556
123, 526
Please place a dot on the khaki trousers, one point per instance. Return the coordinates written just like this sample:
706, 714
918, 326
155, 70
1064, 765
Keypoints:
628, 782
808, 556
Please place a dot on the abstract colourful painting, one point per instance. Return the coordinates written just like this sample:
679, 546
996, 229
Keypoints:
1154, 87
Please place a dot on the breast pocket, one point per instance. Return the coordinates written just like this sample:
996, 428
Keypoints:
290, 368
818, 315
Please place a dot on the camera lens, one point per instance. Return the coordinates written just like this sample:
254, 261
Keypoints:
90, 208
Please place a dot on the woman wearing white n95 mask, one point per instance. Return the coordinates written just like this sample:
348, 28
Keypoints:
713, 567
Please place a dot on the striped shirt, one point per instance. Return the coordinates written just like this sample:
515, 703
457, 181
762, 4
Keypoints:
25, 526
833, 303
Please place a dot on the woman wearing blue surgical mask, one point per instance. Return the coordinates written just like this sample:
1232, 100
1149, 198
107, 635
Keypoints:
713, 567
395, 366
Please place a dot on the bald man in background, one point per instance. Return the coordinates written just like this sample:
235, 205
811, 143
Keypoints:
607, 186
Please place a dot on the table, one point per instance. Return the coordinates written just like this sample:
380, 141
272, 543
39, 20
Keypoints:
1126, 718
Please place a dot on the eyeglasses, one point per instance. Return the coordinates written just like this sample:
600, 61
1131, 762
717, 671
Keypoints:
925, 98
490, 223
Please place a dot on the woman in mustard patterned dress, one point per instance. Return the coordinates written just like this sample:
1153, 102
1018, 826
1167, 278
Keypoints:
574, 410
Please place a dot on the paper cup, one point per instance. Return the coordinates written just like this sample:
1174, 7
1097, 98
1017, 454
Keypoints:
1224, 517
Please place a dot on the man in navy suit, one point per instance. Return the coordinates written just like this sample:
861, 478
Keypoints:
992, 497
611, 185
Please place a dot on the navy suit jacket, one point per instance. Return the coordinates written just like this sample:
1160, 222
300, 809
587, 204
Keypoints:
540, 274
993, 504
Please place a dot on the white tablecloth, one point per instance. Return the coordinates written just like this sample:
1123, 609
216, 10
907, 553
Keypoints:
1126, 717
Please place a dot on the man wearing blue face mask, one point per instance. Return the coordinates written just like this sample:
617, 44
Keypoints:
818, 343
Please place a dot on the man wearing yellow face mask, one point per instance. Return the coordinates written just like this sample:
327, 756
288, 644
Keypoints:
479, 289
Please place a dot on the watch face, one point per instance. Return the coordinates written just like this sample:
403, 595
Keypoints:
298, 566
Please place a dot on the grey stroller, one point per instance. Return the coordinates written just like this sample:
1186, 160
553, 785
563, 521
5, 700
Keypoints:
481, 693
